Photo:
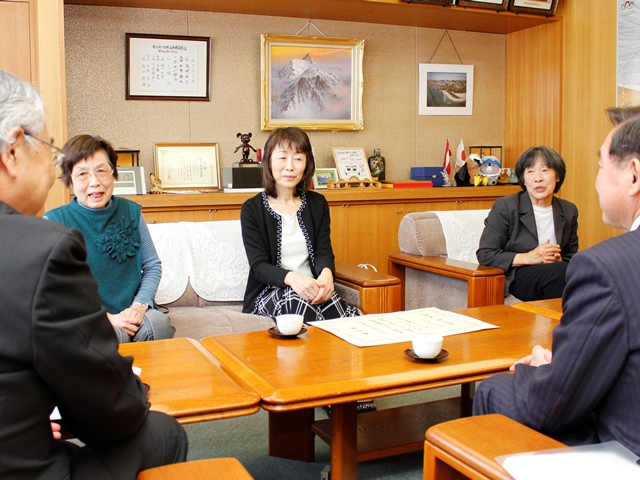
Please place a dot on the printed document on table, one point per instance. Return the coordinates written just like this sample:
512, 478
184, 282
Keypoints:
609, 460
397, 327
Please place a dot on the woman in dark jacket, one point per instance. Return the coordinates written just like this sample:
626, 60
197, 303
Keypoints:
532, 235
287, 236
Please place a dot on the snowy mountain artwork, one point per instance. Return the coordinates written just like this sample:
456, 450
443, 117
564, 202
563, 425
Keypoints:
311, 86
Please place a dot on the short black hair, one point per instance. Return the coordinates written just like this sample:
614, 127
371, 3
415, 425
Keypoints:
549, 156
625, 140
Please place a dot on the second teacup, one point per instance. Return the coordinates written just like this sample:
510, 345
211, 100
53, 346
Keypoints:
289, 324
427, 345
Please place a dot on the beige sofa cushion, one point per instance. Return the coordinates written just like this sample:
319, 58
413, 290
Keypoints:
420, 233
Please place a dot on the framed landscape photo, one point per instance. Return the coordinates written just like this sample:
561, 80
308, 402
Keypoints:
537, 7
497, 5
351, 163
445, 89
167, 67
314, 83
187, 165
322, 176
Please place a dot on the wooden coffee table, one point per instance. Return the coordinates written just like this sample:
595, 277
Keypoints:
294, 376
187, 382
550, 308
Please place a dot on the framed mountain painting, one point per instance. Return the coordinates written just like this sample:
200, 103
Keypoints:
314, 83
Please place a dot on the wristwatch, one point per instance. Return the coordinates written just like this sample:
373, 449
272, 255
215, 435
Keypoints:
140, 304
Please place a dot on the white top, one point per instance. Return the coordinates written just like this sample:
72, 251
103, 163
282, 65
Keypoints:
544, 224
295, 256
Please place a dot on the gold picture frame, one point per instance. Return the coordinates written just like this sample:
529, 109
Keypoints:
188, 166
321, 177
331, 67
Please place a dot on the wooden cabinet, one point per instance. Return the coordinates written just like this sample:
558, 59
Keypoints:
364, 222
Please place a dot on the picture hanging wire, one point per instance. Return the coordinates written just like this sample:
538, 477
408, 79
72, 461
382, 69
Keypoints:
310, 24
446, 32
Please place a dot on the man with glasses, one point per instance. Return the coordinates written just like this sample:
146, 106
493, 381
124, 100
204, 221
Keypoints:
57, 347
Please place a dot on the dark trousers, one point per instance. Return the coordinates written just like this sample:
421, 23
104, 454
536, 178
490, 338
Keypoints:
498, 394
160, 441
539, 282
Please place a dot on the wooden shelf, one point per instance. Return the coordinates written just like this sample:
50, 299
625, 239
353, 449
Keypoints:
390, 12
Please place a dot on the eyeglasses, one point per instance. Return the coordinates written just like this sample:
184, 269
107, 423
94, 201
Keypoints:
56, 153
101, 173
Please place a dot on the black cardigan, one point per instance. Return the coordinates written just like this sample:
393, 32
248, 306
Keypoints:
262, 237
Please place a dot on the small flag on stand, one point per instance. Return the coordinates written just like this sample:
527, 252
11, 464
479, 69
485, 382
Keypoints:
461, 156
447, 158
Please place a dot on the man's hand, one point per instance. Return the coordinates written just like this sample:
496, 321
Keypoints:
539, 356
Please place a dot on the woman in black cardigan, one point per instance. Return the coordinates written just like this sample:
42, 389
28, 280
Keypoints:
286, 233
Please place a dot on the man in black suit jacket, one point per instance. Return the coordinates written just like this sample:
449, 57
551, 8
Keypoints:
587, 391
57, 347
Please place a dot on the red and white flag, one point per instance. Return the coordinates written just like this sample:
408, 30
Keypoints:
447, 158
461, 156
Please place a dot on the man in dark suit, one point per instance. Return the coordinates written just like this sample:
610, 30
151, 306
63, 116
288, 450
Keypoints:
57, 347
587, 391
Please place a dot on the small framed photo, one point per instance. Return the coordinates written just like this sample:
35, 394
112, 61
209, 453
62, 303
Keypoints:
497, 5
351, 164
167, 67
537, 7
445, 89
314, 83
435, 2
187, 165
322, 176
131, 181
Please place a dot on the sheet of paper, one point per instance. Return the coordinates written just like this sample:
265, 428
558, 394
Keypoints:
609, 460
381, 329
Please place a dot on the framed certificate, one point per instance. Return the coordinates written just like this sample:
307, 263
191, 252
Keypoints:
187, 165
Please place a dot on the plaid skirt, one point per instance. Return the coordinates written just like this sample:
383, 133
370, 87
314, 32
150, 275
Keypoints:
279, 301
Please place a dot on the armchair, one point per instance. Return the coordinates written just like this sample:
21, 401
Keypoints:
466, 448
437, 265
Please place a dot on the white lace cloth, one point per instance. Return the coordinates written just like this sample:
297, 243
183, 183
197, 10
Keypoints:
209, 254
462, 230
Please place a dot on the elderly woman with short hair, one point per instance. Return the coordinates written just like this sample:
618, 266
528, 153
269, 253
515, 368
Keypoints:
120, 250
532, 235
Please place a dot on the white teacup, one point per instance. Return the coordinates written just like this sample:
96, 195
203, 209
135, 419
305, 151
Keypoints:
427, 345
289, 324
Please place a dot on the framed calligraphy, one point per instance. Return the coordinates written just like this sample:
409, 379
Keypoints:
187, 165
167, 67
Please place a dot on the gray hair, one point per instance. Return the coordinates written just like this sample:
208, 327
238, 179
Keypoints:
20, 106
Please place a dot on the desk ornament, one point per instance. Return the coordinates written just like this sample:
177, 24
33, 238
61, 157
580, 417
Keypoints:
156, 184
246, 148
377, 165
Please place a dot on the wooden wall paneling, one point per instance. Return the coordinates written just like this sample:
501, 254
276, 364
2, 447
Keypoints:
49, 76
533, 88
15, 54
589, 59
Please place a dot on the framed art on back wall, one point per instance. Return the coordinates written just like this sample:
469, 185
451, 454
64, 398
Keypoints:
497, 5
314, 83
537, 7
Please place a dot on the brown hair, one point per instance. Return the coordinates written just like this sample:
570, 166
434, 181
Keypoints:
297, 140
79, 148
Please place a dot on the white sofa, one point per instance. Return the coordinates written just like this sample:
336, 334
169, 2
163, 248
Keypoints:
204, 274
437, 265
